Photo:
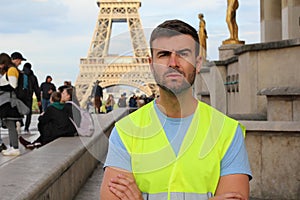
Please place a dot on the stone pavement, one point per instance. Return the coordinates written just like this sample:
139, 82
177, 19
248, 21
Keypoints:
89, 191
31, 137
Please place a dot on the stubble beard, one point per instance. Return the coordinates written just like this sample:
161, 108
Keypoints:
174, 88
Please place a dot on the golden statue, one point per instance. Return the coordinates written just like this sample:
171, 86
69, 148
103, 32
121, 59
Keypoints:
202, 36
232, 6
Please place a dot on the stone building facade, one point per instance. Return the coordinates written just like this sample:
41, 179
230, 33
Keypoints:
259, 85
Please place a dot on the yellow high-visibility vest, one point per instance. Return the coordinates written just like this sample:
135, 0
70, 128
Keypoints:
195, 171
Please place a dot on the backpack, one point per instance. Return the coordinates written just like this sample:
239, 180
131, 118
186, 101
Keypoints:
22, 89
86, 127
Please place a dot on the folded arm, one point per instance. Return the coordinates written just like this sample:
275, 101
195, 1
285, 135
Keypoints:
119, 184
234, 186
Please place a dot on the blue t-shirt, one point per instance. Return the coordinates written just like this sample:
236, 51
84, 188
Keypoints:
235, 160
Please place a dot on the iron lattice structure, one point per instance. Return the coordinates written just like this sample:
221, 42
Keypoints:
113, 70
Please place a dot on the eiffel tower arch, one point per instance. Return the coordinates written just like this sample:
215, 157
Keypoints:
113, 70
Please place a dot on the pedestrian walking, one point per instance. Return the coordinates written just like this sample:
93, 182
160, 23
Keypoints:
97, 93
46, 90
17, 59
33, 87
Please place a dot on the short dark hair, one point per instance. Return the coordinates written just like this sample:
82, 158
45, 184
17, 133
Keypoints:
27, 65
56, 96
174, 27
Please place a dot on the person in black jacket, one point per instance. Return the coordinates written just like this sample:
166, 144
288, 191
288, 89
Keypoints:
33, 87
46, 89
53, 123
97, 93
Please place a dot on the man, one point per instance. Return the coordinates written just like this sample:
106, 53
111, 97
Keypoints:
122, 101
176, 147
46, 90
33, 86
97, 93
17, 58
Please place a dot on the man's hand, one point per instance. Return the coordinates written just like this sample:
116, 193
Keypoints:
125, 188
119, 184
229, 196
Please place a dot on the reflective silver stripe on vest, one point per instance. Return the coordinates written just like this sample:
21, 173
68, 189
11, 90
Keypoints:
177, 196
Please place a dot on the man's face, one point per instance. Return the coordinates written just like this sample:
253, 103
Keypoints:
17, 62
65, 96
174, 62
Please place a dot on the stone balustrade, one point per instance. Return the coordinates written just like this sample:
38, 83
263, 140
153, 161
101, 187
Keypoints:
59, 169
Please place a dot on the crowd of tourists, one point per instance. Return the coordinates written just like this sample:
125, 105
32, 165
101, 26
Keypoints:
96, 103
17, 87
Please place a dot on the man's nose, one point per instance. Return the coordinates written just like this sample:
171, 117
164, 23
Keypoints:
173, 61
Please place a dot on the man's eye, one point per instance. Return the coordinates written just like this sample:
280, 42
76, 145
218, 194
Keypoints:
163, 54
183, 54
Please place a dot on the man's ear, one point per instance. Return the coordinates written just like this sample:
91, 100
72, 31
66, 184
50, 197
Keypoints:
198, 64
150, 63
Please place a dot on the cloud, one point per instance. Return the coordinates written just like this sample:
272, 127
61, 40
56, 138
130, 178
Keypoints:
40, 15
55, 34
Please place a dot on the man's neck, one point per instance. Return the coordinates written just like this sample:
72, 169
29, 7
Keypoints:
177, 106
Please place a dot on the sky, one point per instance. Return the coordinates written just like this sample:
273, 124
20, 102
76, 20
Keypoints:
54, 34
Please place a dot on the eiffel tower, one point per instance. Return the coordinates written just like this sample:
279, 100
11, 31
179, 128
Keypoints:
113, 70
